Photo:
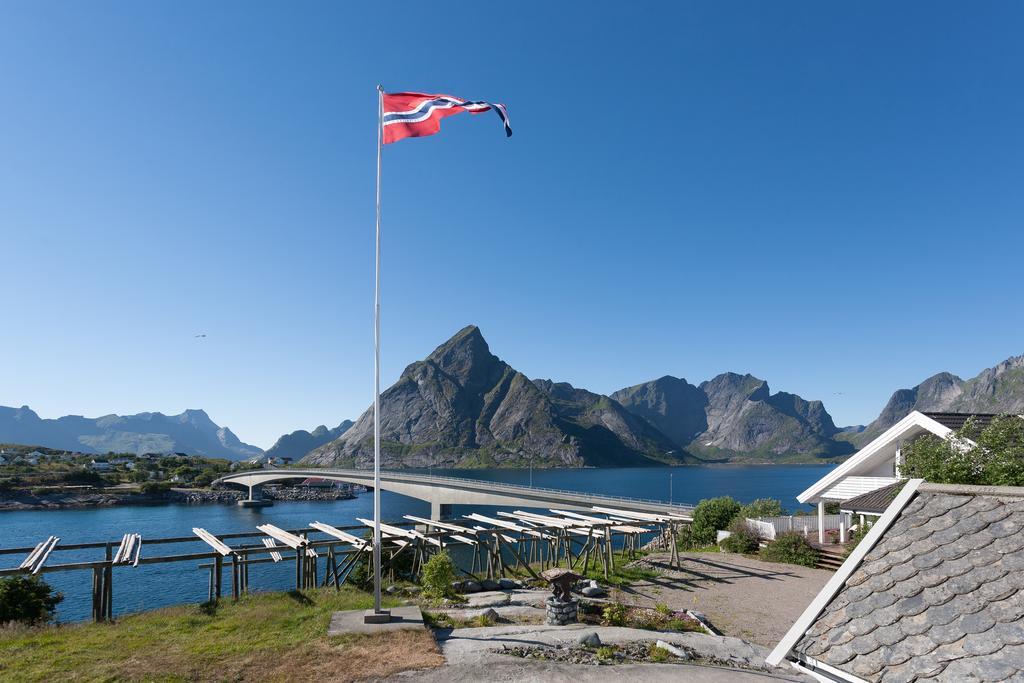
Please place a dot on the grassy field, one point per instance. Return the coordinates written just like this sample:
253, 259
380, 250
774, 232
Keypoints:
271, 637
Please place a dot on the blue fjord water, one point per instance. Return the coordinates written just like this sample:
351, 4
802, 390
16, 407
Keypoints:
151, 586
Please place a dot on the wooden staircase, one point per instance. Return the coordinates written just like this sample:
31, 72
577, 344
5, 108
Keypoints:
830, 557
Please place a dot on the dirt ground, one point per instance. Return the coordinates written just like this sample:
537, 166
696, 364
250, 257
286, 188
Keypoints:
741, 596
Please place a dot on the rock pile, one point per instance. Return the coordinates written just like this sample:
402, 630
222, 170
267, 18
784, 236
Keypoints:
561, 613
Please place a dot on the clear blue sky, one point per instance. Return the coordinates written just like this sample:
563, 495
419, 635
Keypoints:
826, 195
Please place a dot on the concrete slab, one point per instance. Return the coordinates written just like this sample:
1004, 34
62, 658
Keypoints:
482, 646
351, 621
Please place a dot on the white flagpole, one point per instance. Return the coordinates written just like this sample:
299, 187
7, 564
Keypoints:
376, 372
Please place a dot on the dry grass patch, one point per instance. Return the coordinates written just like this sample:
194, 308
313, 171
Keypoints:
275, 637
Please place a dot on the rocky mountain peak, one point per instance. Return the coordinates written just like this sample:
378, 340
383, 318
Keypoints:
999, 389
464, 404
733, 415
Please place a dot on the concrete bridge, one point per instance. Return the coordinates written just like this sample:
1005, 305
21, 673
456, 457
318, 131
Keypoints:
443, 492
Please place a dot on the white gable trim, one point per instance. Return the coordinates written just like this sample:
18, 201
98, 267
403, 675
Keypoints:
914, 419
838, 580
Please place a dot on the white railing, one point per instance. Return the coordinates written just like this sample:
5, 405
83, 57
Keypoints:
799, 523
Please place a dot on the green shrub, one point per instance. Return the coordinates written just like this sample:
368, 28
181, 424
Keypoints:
658, 654
155, 487
606, 653
741, 539
27, 599
438, 575
709, 516
762, 507
615, 614
683, 625
791, 548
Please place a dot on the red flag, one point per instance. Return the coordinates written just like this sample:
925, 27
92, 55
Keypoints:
413, 114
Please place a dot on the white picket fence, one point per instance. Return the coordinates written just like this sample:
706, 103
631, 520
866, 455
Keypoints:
798, 523
763, 529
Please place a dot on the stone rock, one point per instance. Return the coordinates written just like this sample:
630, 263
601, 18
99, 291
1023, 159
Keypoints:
489, 614
594, 592
458, 586
471, 587
593, 584
490, 585
487, 599
391, 589
508, 584
590, 639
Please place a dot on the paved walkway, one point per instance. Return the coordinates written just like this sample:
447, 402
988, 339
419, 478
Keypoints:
743, 597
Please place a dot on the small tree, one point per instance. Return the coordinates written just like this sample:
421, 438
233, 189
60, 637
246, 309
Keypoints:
993, 456
709, 516
27, 599
437, 576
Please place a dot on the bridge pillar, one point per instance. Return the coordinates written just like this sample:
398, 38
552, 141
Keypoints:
439, 511
255, 499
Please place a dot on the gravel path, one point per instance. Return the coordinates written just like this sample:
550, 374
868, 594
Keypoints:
743, 597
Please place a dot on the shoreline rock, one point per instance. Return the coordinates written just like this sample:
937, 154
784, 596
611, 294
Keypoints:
23, 501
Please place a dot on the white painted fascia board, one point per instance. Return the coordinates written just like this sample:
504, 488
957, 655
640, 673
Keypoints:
837, 581
913, 419
823, 672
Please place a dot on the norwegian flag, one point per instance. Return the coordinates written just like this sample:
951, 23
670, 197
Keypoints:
414, 114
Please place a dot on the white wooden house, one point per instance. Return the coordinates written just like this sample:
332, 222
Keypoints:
877, 465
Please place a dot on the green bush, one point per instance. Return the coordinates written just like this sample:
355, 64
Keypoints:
615, 614
791, 548
437, 576
155, 487
741, 539
762, 507
709, 516
27, 599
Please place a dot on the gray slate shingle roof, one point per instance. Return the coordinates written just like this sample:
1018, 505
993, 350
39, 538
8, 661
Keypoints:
956, 421
873, 501
939, 598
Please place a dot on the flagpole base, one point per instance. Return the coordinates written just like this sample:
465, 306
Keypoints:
373, 617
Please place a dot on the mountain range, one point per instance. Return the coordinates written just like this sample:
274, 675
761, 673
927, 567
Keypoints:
300, 442
736, 417
462, 406
999, 389
191, 432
